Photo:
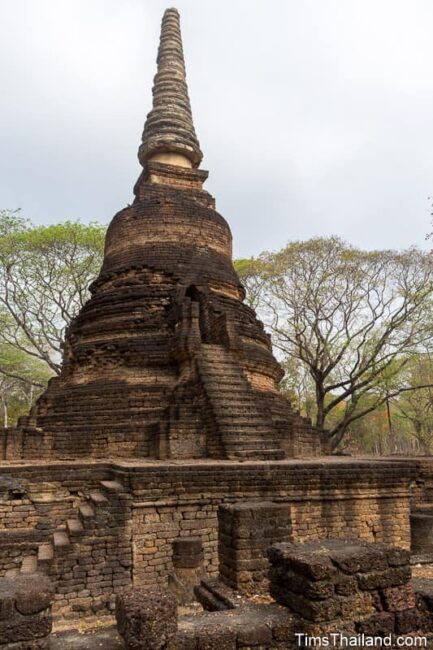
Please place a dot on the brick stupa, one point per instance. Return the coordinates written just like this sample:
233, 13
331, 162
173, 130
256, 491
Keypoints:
166, 360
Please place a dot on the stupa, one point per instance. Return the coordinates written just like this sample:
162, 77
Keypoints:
166, 360
164, 453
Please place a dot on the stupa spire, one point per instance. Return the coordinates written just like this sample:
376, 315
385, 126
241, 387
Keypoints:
169, 134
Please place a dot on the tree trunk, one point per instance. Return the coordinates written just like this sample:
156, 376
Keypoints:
5, 413
320, 402
392, 438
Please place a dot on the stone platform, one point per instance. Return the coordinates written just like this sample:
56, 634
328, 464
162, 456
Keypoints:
96, 527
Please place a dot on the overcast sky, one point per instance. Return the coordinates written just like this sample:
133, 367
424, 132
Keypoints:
315, 116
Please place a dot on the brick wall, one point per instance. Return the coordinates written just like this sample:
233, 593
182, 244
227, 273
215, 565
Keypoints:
130, 535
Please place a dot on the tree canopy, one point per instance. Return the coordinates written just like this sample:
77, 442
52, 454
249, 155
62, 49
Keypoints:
45, 272
351, 319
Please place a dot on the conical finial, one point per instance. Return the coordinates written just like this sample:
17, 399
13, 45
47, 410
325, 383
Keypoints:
169, 128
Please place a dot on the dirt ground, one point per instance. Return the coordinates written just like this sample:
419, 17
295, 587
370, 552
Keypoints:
105, 638
86, 634
101, 634
422, 571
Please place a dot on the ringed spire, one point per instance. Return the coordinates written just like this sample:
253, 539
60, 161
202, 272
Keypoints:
169, 135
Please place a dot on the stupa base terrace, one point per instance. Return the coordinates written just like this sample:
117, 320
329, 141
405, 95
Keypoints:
96, 527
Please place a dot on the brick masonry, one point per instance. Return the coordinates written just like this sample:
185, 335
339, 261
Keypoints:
341, 590
98, 527
167, 405
245, 532
165, 360
347, 586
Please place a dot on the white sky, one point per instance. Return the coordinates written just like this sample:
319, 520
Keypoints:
315, 116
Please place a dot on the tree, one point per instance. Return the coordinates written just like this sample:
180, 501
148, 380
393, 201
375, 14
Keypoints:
22, 378
352, 318
250, 270
45, 272
416, 407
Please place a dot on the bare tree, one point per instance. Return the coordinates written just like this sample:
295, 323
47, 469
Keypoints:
353, 318
416, 407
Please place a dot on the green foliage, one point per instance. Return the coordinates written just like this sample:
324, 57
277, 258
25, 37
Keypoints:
252, 273
415, 408
45, 272
22, 378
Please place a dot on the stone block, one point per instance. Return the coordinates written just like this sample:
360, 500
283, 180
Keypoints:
210, 637
412, 620
335, 584
33, 594
392, 577
187, 552
246, 529
380, 624
303, 559
25, 610
398, 599
147, 618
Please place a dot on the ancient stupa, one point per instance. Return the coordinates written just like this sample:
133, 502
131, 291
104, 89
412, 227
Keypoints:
166, 360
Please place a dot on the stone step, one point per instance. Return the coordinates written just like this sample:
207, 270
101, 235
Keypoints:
45, 554
86, 512
258, 454
75, 527
98, 498
29, 564
61, 540
12, 573
230, 598
112, 486
207, 599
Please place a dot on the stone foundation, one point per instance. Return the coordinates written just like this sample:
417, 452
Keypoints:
99, 527
147, 618
338, 590
346, 586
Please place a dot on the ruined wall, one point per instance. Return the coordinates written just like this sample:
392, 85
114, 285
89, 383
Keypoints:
72, 524
347, 499
99, 526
